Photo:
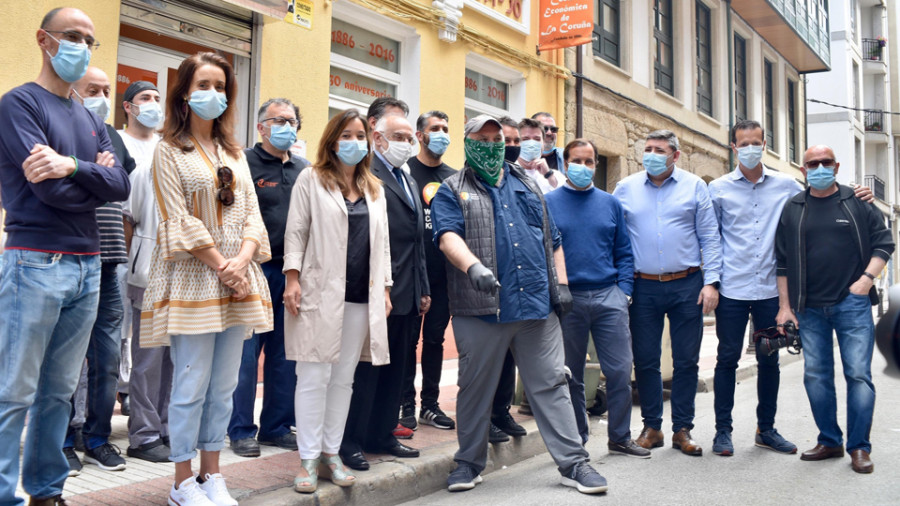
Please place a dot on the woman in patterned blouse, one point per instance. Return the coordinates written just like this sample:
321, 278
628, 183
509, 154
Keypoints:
207, 292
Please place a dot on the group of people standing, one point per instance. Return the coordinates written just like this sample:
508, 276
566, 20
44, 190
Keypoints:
333, 267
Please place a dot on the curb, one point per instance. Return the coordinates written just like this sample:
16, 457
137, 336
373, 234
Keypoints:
397, 481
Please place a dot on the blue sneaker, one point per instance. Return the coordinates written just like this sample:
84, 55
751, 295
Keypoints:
772, 440
722, 444
585, 478
464, 477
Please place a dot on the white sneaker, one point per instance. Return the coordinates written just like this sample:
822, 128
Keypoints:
216, 491
188, 493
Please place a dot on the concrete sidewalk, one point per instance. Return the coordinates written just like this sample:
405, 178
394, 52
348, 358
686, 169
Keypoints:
267, 480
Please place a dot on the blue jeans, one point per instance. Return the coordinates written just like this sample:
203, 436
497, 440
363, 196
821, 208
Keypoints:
206, 373
652, 301
47, 307
103, 356
851, 319
280, 374
731, 323
603, 313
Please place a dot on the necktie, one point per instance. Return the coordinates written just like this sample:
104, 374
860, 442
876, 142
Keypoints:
396, 171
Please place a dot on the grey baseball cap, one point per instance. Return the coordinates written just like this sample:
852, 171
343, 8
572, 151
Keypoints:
477, 123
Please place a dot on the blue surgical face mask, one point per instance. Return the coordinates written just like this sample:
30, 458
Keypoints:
821, 178
655, 164
149, 114
750, 156
283, 136
531, 150
98, 106
579, 175
208, 104
438, 142
71, 60
352, 152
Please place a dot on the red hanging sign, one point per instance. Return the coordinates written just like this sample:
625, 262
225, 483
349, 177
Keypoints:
565, 23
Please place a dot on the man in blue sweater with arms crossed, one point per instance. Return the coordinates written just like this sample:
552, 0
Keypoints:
600, 267
56, 169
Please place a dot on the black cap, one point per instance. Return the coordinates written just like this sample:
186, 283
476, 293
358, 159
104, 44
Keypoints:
137, 87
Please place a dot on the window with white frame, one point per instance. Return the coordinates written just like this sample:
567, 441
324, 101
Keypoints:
365, 64
493, 89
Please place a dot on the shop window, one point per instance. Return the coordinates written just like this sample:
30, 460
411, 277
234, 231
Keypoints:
493, 89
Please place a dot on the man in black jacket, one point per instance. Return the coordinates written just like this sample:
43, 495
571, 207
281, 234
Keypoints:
829, 248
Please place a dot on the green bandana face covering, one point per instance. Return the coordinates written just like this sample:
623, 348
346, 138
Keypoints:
485, 158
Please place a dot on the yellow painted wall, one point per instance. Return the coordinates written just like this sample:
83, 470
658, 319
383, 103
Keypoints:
294, 62
20, 57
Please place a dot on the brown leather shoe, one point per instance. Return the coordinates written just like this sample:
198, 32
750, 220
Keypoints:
683, 441
822, 452
650, 438
860, 461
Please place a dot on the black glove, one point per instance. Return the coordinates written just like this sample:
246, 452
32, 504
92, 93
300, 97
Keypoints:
483, 279
565, 301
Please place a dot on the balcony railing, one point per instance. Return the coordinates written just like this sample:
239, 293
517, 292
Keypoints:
872, 50
876, 184
874, 121
800, 34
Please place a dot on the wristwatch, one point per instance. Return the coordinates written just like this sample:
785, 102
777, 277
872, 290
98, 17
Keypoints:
869, 275
549, 173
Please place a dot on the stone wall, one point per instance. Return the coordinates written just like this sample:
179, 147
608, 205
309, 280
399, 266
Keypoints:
619, 127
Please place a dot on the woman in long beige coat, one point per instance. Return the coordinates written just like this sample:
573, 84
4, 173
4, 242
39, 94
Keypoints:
337, 264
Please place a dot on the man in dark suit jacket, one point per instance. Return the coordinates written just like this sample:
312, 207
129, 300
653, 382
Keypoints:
375, 406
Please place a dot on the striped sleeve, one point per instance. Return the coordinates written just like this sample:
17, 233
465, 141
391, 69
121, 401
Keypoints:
179, 232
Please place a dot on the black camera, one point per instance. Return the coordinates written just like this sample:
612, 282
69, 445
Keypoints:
771, 340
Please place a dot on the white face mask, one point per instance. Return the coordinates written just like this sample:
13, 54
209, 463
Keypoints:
398, 152
99, 106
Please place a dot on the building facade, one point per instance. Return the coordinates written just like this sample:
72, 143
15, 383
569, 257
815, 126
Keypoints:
460, 56
849, 107
695, 67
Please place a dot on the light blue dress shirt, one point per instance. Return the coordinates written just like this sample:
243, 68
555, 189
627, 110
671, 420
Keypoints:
671, 224
748, 215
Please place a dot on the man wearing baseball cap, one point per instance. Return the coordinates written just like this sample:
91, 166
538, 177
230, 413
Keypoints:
507, 288
151, 368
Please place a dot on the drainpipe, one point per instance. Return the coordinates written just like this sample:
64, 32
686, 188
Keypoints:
730, 80
579, 92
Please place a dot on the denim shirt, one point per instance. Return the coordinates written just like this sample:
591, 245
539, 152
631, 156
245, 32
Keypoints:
521, 260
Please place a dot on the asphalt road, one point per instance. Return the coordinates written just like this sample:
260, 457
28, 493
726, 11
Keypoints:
752, 476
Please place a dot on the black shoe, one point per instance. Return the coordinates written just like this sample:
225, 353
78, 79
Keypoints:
79, 440
507, 424
497, 436
402, 451
106, 456
356, 461
629, 448
408, 416
434, 416
287, 441
74, 463
124, 404
154, 451
246, 447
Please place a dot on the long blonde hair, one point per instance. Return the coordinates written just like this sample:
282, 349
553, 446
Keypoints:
328, 164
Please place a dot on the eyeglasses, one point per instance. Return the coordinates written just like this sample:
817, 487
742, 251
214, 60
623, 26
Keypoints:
814, 164
282, 121
398, 137
226, 185
551, 129
76, 38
